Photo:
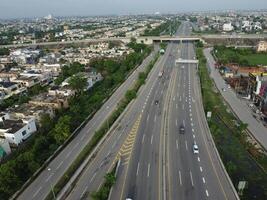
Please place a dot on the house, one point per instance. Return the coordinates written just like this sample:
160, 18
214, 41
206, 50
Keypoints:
15, 131
228, 27
9, 87
32, 110
262, 46
55, 102
64, 91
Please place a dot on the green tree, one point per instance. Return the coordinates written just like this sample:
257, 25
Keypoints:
78, 83
62, 129
4, 52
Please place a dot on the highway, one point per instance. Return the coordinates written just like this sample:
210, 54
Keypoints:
240, 108
162, 164
41, 186
92, 177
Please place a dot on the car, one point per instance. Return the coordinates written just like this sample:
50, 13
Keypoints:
182, 129
223, 89
229, 86
195, 149
156, 102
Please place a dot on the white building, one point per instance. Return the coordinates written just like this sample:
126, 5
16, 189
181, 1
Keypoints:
262, 46
228, 27
15, 131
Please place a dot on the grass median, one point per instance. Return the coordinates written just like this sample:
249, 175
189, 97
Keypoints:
100, 133
242, 160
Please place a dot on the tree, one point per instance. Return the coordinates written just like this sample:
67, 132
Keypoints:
78, 83
46, 123
62, 129
4, 52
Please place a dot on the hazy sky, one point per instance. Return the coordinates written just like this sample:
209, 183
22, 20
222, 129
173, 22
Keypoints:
36, 8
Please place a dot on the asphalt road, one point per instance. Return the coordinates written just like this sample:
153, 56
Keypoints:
162, 164
41, 186
92, 177
240, 108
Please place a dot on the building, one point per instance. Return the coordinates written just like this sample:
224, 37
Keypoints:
262, 46
55, 102
228, 27
15, 131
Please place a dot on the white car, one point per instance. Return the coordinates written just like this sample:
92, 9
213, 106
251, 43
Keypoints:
195, 149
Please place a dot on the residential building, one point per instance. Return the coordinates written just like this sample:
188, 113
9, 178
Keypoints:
262, 46
14, 130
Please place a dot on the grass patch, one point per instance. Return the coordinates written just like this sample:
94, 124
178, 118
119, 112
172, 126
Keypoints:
244, 56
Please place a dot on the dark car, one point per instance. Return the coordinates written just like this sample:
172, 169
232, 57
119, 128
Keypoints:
182, 129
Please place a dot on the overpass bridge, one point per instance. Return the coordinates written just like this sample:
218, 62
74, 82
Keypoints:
152, 39
217, 39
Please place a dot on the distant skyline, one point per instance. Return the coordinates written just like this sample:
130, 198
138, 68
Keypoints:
40, 8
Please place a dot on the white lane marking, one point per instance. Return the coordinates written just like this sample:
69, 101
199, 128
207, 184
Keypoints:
108, 153
76, 145
176, 106
180, 177
190, 114
183, 122
155, 118
84, 191
186, 145
59, 165
173, 99
68, 154
82, 138
37, 191
180, 98
191, 177
114, 144
137, 169
200, 168
207, 193
183, 106
203, 179
143, 138
48, 177
177, 145
161, 92
151, 140
191, 119
189, 105
148, 169
147, 117
198, 159
190, 110
194, 136
93, 177
176, 123
193, 130
192, 124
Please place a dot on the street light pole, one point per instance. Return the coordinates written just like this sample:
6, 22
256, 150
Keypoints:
49, 169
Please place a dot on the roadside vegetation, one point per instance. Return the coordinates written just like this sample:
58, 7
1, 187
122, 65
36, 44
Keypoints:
242, 160
104, 190
240, 56
167, 28
15, 171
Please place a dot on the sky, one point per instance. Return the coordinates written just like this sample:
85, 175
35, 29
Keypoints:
39, 8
